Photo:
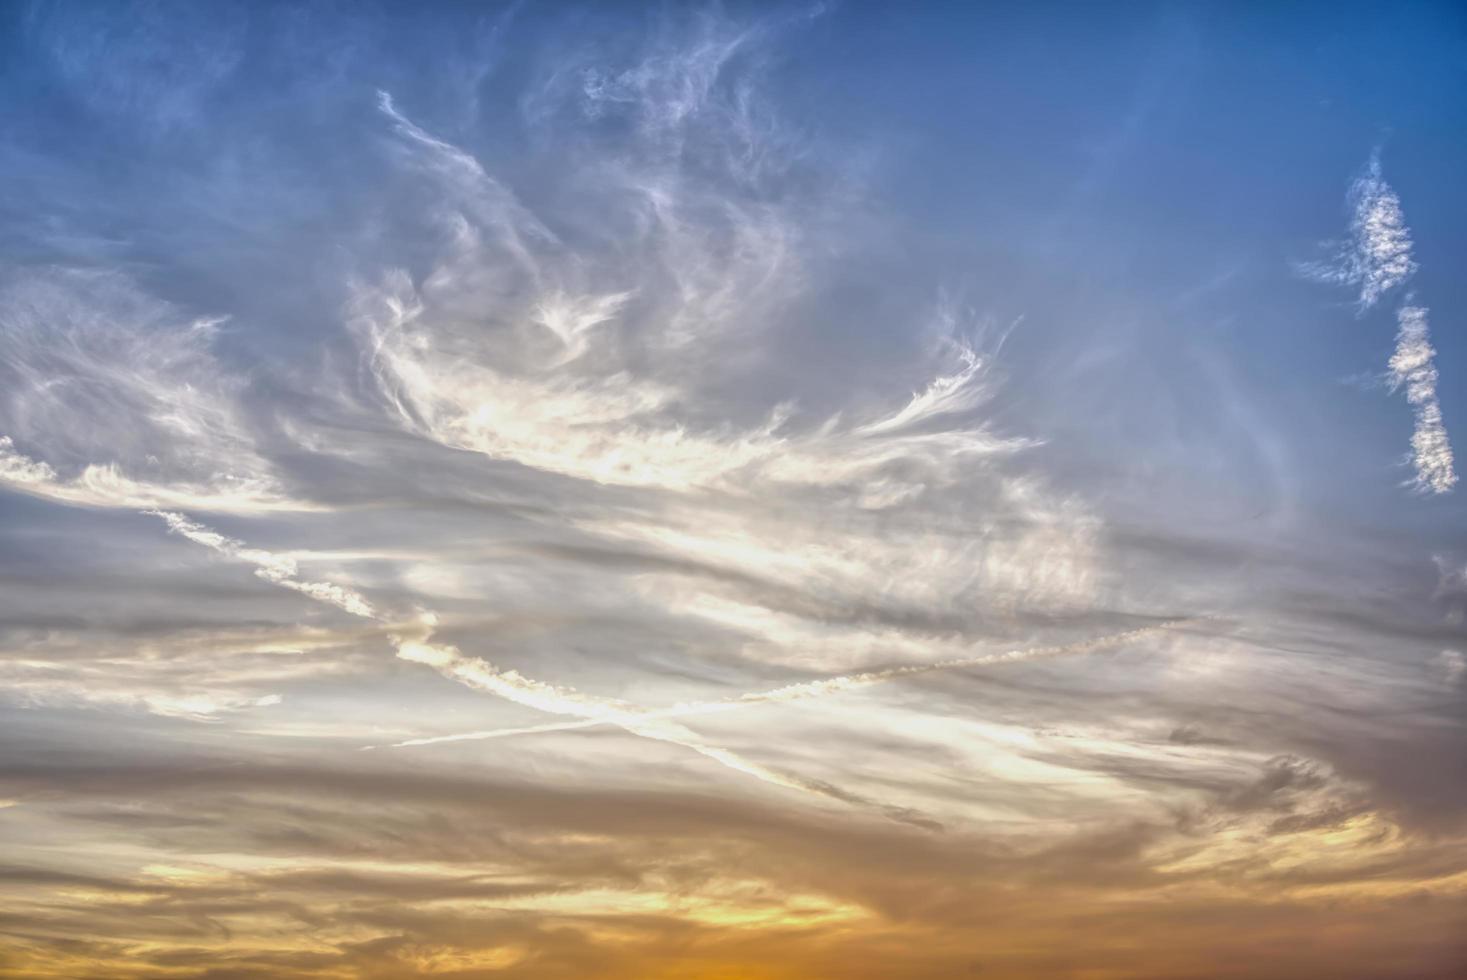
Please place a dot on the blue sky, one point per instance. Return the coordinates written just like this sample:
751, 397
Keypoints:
751, 490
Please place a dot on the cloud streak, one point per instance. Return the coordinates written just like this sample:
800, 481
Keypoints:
1412, 368
276, 569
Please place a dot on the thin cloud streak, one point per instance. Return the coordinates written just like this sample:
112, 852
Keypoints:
277, 569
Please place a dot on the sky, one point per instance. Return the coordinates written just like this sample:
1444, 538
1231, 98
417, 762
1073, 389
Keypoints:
776, 491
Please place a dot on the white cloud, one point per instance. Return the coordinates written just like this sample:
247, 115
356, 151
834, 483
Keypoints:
945, 395
1377, 258
278, 569
107, 486
92, 368
1412, 367
199, 704
610, 426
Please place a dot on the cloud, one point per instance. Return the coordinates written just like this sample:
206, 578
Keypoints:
277, 569
604, 423
173, 670
93, 368
1377, 258
105, 485
461, 357
413, 644
584, 365
41, 684
1411, 367
945, 395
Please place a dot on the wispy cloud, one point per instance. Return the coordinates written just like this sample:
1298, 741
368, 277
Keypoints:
124, 395
413, 643
827, 687
106, 485
584, 406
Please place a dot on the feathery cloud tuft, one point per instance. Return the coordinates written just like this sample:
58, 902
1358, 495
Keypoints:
1377, 257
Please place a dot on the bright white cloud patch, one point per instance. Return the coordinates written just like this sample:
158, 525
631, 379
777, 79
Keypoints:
1412, 368
1377, 257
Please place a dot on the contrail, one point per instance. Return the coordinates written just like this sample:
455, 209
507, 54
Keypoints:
825, 687
413, 642
277, 569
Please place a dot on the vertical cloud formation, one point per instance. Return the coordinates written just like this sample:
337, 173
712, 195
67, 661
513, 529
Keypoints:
1412, 368
1378, 259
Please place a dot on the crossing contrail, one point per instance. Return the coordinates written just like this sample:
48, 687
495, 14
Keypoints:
822, 688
